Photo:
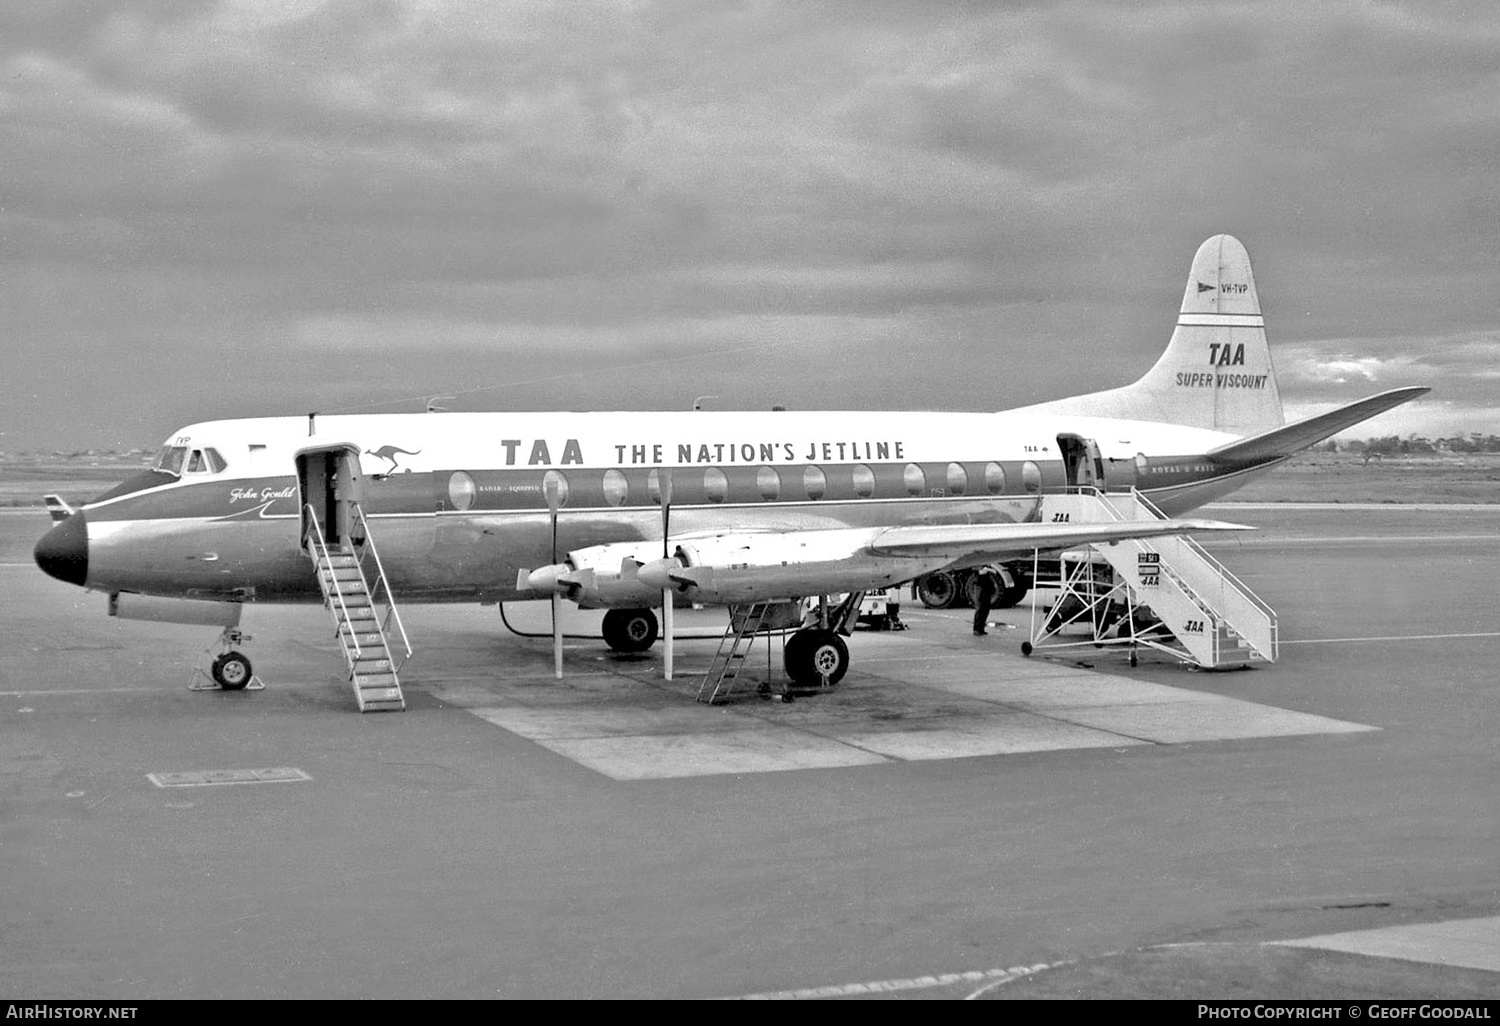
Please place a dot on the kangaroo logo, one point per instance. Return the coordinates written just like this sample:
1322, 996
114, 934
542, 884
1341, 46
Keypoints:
388, 453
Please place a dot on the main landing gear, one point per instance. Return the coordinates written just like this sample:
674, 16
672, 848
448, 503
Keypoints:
630, 630
815, 658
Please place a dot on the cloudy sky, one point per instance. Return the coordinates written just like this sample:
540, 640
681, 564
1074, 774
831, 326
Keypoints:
275, 206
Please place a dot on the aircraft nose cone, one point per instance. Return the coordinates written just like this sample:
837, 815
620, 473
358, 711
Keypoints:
63, 552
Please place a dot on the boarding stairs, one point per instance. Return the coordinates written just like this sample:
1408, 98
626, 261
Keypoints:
356, 591
744, 624
1165, 592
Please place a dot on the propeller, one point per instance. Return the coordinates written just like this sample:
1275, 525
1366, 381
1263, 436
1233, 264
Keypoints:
551, 490
666, 592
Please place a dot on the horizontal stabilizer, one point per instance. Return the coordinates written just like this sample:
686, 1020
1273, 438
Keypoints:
1294, 438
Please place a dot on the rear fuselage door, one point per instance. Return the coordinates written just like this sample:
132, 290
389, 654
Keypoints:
1082, 461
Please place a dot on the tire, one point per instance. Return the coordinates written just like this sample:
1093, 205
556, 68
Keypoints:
630, 630
231, 671
938, 590
1009, 597
812, 655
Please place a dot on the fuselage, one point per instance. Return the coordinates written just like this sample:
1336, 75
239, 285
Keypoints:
458, 502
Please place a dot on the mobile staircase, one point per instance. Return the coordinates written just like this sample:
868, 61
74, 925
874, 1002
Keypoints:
744, 624
1166, 593
355, 590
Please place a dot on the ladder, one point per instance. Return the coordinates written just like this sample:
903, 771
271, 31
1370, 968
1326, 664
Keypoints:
744, 624
1167, 592
354, 600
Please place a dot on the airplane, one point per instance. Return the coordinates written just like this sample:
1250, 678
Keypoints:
633, 512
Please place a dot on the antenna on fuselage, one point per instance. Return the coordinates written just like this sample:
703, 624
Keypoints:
312, 428
433, 407
698, 402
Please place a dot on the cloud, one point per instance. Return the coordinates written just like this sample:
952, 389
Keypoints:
996, 202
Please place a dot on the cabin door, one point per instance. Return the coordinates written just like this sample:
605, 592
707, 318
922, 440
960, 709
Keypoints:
1081, 461
330, 483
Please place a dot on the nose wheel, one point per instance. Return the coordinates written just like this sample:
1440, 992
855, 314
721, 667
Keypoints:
231, 669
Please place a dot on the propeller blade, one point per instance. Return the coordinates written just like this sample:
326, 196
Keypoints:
667, 625
551, 490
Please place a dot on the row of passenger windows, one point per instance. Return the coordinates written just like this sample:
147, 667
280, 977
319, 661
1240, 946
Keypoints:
712, 484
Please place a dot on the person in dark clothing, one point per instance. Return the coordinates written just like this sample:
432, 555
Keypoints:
985, 592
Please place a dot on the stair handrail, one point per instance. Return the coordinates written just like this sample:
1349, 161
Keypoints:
390, 599
1214, 565
1198, 548
322, 548
1187, 589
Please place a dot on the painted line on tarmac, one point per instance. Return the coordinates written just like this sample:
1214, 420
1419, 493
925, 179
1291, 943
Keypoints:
989, 977
1433, 507
1268, 538
71, 691
1393, 637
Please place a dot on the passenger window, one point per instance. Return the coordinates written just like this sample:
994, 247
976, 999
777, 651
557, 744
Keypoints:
958, 479
769, 483
616, 487
555, 479
994, 478
864, 481
715, 485
1031, 477
461, 490
914, 479
815, 481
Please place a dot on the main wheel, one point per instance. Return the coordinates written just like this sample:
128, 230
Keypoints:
630, 630
231, 671
938, 590
812, 656
1008, 597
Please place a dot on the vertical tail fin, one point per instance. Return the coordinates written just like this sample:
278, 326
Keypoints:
1216, 372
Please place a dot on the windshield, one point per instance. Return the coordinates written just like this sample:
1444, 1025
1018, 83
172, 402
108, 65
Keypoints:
169, 459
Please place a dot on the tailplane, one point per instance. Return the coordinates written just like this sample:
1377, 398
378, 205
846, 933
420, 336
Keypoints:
1216, 372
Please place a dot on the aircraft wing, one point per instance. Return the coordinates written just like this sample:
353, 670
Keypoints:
968, 542
1284, 441
753, 566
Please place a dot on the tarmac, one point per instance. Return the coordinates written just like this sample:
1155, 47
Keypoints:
952, 820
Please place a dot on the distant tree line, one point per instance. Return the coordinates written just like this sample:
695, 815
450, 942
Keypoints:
1413, 445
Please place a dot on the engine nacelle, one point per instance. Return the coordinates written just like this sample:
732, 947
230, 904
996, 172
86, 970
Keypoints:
736, 568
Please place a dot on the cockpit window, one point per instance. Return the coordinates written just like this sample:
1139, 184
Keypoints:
169, 459
205, 461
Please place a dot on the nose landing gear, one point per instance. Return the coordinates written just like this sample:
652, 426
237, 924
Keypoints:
231, 670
